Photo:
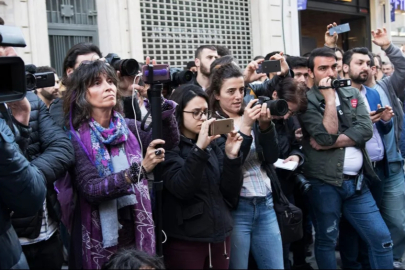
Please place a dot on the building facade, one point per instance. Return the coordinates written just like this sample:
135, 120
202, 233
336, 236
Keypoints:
171, 30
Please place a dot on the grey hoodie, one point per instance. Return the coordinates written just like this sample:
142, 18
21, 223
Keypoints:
394, 85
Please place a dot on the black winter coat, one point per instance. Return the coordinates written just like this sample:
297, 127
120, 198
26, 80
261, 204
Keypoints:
22, 189
50, 150
288, 146
200, 188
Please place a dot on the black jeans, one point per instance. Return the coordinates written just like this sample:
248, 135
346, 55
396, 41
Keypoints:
45, 254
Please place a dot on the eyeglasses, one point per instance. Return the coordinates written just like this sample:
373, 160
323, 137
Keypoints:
197, 115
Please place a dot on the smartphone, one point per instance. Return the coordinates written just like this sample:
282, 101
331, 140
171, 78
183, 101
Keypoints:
380, 110
221, 126
339, 29
269, 66
161, 74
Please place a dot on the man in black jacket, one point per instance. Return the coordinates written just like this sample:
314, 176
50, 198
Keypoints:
50, 150
22, 189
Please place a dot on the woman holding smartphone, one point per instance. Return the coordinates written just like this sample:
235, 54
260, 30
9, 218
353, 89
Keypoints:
256, 228
201, 185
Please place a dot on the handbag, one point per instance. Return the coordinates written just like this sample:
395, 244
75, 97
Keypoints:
289, 216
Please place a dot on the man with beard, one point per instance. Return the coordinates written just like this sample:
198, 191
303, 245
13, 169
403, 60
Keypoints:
336, 127
48, 94
359, 66
204, 56
391, 90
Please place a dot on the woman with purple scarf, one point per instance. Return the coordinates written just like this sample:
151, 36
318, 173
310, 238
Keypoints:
113, 207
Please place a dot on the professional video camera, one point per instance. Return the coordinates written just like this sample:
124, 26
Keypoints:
277, 107
14, 76
12, 73
36, 80
126, 67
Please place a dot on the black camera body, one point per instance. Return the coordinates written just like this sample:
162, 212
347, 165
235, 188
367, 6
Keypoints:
12, 72
12, 79
178, 77
277, 107
336, 83
126, 67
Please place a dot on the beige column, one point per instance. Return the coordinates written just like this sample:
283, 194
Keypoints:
377, 18
275, 26
30, 16
119, 28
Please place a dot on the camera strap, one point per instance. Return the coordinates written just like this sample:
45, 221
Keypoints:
7, 116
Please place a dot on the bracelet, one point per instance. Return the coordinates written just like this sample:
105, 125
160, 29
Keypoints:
135, 170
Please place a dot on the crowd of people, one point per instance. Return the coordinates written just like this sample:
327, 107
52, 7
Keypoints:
77, 164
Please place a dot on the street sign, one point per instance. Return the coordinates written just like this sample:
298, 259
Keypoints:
302, 4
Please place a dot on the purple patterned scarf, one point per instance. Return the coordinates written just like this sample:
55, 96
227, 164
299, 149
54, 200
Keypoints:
120, 139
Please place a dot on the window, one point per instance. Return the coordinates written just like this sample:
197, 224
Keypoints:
205, 24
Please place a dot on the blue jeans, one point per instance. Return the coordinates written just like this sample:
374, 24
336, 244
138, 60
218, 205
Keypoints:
393, 207
256, 230
328, 202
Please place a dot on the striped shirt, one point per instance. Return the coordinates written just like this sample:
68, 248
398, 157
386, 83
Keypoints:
48, 228
256, 183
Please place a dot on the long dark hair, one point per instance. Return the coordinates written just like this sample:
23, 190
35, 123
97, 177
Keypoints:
182, 96
75, 104
219, 73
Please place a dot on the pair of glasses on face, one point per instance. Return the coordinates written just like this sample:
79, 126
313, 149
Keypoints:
197, 115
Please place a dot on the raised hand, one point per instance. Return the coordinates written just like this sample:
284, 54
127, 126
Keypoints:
232, 144
380, 38
331, 41
250, 74
283, 64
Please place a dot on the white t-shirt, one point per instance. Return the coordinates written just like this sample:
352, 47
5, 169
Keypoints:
353, 156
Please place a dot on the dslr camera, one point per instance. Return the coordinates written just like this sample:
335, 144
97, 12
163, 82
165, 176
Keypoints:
277, 107
126, 67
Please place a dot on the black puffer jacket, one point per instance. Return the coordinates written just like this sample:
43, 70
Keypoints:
22, 189
200, 188
288, 146
51, 151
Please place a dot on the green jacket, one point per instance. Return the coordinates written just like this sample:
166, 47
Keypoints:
327, 165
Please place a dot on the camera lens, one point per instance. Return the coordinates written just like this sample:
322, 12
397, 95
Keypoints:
302, 183
31, 81
278, 107
128, 67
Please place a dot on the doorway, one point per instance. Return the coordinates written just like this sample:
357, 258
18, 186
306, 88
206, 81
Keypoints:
313, 27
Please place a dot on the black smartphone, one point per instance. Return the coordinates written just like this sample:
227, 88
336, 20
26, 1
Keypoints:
269, 66
380, 110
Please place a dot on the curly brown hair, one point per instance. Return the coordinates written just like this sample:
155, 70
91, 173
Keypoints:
75, 105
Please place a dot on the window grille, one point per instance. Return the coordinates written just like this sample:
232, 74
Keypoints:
173, 29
